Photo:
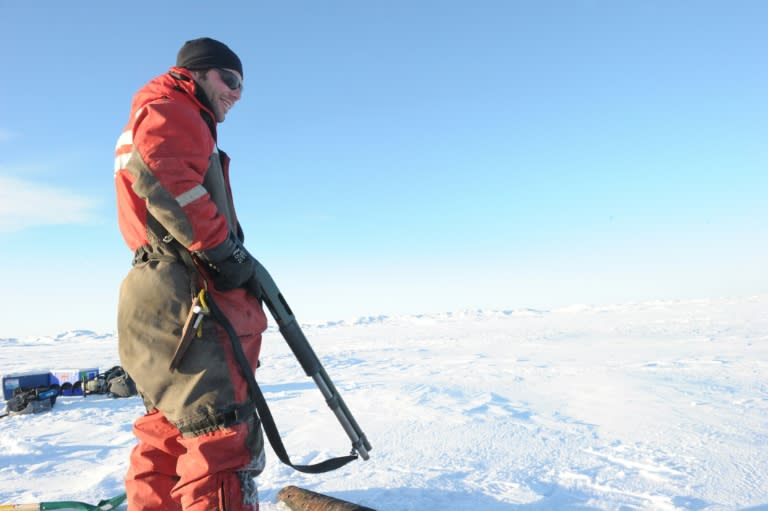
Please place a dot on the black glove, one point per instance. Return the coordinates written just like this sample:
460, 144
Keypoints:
229, 264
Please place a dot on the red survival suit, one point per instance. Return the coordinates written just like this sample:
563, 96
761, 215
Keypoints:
200, 444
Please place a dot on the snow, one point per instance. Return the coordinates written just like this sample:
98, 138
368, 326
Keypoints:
654, 406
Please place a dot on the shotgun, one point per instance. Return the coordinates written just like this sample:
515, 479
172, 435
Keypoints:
306, 356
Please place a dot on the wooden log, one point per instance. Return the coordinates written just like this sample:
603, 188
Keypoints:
299, 499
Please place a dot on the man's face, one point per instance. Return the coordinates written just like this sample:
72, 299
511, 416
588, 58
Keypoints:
217, 85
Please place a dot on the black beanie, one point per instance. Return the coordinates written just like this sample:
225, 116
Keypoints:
205, 53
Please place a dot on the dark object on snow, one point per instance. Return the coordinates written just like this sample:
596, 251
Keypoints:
35, 400
299, 499
114, 382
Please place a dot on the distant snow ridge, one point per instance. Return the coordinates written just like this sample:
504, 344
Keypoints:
67, 336
369, 320
79, 334
483, 314
526, 312
461, 315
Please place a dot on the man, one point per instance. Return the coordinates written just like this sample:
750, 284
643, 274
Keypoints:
189, 315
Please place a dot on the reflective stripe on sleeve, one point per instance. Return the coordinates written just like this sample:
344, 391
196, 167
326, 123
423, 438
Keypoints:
121, 160
123, 149
191, 195
125, 138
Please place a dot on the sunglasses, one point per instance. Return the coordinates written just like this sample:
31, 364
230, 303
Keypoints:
230, 79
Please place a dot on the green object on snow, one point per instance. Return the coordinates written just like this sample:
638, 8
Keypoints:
104, 505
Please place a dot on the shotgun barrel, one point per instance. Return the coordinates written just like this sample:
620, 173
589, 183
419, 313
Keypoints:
294, 336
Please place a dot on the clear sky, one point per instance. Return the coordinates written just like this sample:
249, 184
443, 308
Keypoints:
406, 156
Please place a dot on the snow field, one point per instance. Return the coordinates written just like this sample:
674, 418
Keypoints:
658, 405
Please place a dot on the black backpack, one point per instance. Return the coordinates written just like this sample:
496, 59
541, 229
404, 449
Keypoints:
115, 383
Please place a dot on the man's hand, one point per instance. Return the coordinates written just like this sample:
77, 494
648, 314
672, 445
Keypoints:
229, 264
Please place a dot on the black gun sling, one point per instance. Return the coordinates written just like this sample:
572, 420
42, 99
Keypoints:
270, 429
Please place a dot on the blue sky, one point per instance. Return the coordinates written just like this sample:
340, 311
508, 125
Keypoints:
405, 156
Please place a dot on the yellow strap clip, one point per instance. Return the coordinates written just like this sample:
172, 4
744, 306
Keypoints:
204, 310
